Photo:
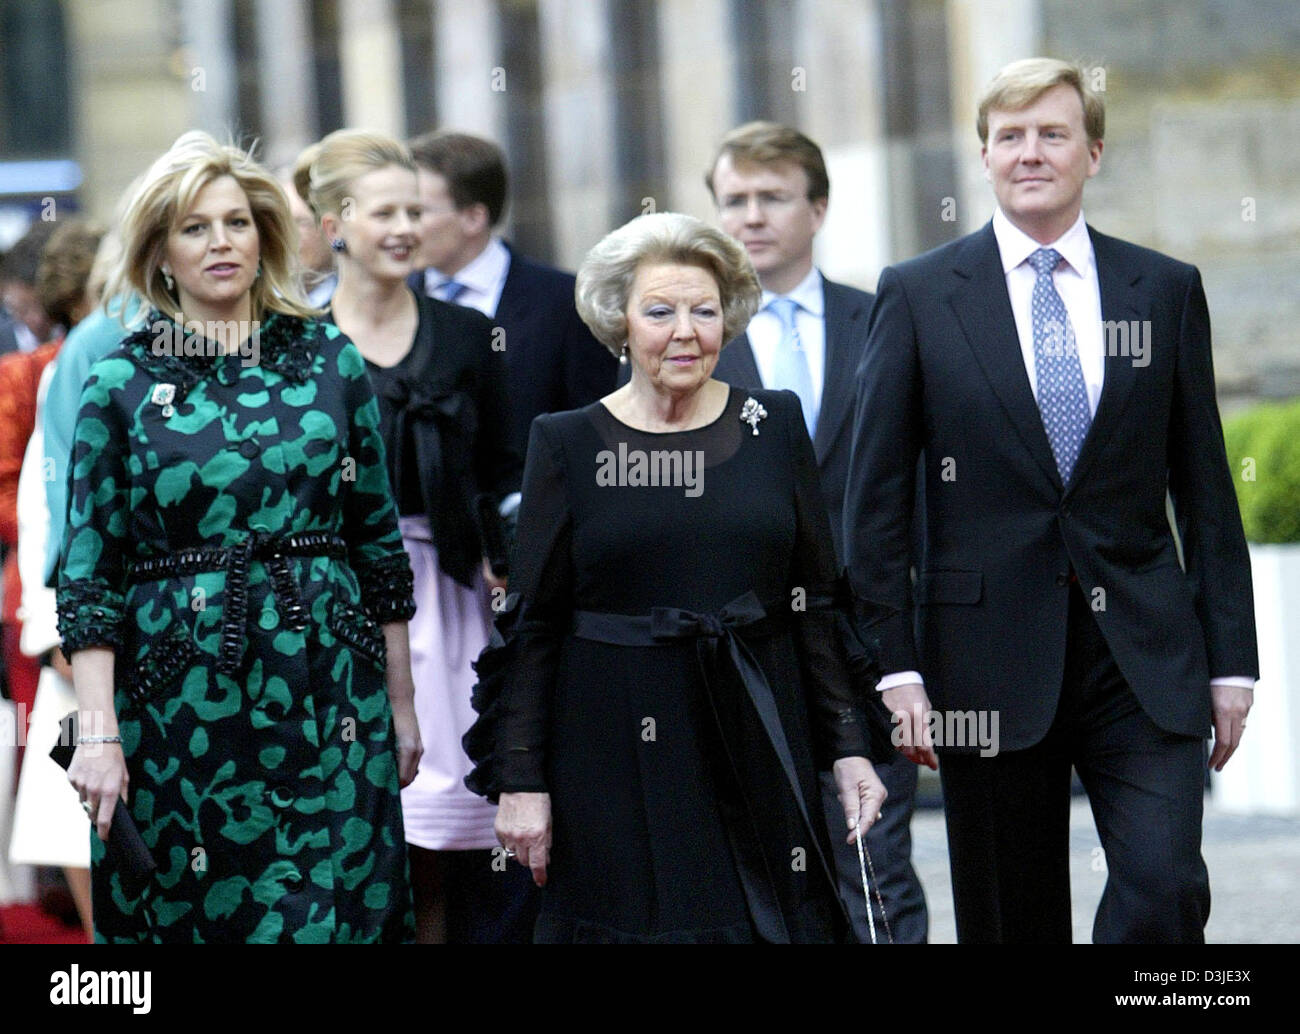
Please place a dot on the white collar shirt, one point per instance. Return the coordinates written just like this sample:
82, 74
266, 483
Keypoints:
1076, 282
765, 331
484, 278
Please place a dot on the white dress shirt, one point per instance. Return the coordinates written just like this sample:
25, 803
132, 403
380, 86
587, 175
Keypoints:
765, 331
1076, 283
484, 278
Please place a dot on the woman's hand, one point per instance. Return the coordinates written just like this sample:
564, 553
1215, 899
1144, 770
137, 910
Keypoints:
861, 794
98, 772
401, 699
409, 747
524, 828
491, 580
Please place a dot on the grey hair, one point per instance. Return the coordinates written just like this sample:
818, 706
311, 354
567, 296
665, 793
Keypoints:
606, 275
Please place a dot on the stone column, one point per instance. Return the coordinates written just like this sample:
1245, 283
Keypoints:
577, 124
371, 61
206, 30
126, 57
836, 83
983, 36
472, 86
699, 69
286, 86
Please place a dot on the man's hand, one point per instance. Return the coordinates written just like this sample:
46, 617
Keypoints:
1231, 705
911, 709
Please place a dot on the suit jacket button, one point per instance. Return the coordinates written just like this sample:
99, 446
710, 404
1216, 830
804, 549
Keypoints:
294, 882
249, 448
1062, 579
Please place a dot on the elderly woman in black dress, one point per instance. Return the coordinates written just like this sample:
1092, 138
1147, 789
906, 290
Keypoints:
672, 668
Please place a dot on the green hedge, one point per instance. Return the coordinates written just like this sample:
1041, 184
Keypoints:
1264, 455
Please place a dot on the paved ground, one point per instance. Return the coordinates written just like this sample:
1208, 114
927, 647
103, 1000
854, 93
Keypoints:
1254, 864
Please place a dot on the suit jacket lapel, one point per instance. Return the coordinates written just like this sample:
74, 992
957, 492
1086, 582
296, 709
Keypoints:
737, 366
511, 305
983, 309
845, 316
1121, 303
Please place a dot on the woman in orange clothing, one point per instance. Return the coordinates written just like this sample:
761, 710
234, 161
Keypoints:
61, 280
61, 286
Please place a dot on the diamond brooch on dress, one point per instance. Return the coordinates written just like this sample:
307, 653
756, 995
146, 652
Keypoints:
752, 412
164, 395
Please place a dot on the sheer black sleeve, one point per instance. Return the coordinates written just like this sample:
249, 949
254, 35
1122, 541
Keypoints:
839, 672
517, 668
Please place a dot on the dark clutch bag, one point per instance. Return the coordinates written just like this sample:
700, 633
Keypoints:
125, 850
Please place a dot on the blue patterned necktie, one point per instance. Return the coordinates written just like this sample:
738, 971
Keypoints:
451, 290
1062, 394
791, 368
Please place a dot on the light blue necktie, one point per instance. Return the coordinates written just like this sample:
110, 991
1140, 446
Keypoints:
451, 290
791, 367
1062, 394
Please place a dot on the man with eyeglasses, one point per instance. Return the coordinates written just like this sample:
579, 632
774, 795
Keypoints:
771, 189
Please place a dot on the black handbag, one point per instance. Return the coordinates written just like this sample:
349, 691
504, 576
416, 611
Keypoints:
125, 850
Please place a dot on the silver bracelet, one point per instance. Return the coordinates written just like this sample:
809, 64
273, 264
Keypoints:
99, 739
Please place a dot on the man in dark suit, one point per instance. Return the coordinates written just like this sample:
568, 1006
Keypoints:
1059, 385
552, 361
771, 189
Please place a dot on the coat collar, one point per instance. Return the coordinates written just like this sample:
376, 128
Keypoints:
846, 315
286, 344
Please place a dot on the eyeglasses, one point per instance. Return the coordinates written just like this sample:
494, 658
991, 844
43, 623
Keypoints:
767, 202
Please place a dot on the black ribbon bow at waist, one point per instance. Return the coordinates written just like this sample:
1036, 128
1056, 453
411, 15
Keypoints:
234, 561
440, 427
738, 693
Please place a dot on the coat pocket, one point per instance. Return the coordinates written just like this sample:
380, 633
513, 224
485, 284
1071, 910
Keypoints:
950, 587
164, 662
361, 632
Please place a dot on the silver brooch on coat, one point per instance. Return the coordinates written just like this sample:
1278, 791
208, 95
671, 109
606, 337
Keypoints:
752, 412
164, 395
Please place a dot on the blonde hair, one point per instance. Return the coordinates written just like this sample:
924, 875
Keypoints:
325, 171
1021, 83
766, 143
167, 191
605, 278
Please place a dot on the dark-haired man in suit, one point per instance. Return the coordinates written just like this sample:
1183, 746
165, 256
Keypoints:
770, 186
1059, 385
552, 361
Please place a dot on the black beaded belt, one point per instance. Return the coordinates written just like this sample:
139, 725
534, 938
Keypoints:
273, 550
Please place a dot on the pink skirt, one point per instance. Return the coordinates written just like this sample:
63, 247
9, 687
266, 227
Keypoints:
448, 631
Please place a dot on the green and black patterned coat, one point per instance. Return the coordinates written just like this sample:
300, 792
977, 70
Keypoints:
232, 535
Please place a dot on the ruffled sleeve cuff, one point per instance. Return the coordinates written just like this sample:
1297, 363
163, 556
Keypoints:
388, 588
864, 720
498, 766
89, 615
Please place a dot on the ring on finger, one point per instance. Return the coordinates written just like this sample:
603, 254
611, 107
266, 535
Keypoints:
511, 852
